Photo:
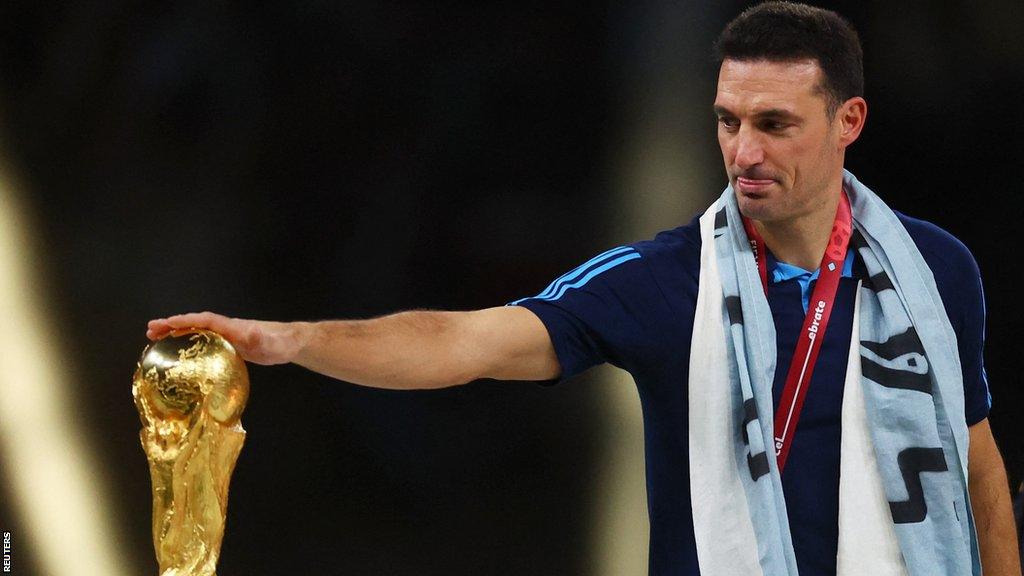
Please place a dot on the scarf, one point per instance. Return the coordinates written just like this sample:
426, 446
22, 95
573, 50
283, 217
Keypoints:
904, 506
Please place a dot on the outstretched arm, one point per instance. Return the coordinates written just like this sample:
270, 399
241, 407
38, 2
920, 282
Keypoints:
418, 349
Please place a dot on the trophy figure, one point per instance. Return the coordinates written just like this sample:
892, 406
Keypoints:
190, 389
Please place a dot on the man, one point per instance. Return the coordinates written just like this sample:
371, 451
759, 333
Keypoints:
723, 324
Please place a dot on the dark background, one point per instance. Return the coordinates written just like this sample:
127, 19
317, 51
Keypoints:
306, 160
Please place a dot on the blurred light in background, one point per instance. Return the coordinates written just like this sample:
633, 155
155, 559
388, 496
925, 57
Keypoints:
50, 471
621, 529
661, 181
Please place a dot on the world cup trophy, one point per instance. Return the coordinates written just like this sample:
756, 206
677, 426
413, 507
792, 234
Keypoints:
190, 389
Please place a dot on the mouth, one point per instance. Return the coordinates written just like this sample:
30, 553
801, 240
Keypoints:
752, 186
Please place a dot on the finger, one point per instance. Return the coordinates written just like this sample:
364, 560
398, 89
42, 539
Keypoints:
193, 320
227, 327
156, 329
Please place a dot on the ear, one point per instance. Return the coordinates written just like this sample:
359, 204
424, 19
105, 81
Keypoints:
851, 117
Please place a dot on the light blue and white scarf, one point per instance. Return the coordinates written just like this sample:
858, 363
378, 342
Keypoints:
904, 506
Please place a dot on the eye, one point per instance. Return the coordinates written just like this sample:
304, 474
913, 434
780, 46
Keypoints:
730, 124
774, 126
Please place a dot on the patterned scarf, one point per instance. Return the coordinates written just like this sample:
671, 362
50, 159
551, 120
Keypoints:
904, 506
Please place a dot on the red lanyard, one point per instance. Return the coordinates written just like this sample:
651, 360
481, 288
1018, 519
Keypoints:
818, 312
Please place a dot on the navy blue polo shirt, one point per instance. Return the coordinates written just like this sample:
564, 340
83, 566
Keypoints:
634, 306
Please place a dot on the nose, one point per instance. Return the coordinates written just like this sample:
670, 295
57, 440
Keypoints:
749, 150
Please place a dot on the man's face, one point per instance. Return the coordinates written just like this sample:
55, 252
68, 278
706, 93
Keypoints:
781, 150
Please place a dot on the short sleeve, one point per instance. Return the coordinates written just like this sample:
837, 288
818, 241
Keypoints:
959, 282
971, 341
599, 311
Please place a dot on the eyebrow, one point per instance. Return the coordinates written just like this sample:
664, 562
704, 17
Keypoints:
770, 113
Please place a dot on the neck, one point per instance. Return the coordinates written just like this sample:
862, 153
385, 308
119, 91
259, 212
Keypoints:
801, 241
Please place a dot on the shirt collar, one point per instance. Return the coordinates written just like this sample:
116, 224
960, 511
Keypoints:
781, 271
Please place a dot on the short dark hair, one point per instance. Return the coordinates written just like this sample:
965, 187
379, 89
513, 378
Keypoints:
787, 31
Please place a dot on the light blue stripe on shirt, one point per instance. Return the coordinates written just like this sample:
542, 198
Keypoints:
582, 282
577, 271
572, 279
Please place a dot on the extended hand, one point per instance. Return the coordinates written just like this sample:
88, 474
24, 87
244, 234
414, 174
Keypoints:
257, 341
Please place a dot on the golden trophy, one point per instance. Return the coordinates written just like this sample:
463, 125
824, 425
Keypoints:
190, 389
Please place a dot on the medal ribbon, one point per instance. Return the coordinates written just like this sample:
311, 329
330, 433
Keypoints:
813, 333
